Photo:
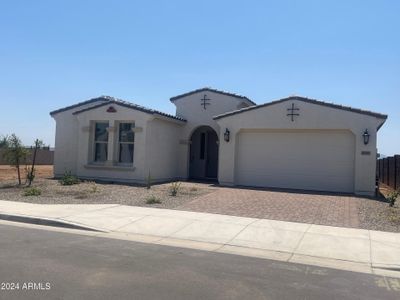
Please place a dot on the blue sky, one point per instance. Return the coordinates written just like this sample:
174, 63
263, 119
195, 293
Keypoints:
55, 53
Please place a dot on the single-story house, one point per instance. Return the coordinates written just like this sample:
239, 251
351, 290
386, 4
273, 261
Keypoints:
295, 142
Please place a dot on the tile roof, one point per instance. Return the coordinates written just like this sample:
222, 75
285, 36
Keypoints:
208, 89
107, 100
307, 100
101, 98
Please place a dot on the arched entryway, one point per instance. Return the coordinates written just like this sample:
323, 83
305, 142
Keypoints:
203, 156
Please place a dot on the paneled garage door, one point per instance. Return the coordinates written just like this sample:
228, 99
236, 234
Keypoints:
309, 160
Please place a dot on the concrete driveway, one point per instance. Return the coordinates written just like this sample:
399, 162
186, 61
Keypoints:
285, 205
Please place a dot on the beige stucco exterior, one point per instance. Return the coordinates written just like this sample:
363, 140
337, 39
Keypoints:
190, 108
162, 142
156, 138
313, 117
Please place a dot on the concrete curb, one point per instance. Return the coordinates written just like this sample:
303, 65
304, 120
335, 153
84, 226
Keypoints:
278, 256
357, 250
46, 222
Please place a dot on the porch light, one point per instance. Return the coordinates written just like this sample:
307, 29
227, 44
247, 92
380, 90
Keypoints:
366, 137
227, 135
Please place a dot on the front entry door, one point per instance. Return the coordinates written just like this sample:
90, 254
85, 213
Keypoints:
204, 154
212, 155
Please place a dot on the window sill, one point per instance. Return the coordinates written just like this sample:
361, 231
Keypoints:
110, 167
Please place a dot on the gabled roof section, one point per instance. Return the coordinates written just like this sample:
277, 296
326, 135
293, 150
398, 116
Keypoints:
107, 100
93, 100
208, 89
307, 100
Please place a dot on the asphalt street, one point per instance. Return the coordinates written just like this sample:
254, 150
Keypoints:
41, 264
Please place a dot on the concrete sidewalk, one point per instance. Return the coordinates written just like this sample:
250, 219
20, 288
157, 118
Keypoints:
342, 248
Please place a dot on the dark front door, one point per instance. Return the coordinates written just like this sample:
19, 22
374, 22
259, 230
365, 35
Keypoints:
204, 154
212, 155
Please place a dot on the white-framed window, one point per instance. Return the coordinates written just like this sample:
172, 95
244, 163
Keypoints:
100, 141
126, 142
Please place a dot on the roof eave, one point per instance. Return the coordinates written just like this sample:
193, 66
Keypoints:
175, 120
307, 100
381, 124
173, 99
131, 106
64, 109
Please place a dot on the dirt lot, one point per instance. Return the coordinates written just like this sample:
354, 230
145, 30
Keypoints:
10, 173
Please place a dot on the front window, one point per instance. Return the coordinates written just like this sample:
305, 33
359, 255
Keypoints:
126, 142
100, 142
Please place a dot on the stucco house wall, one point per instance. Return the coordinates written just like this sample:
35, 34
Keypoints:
190, 108
162, 141
66, 140
111, 171
156, 139
312, 117
162, 144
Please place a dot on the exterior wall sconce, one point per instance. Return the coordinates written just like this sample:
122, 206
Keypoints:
227, 135
366, 137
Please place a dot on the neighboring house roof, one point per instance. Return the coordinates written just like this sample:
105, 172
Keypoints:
307, 100
107, 100
208, 89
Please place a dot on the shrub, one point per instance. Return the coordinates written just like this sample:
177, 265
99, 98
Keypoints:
92, 187
69, 179
175, 188
152, 200
392, 197
32, 191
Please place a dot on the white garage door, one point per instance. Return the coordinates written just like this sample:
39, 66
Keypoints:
309, 160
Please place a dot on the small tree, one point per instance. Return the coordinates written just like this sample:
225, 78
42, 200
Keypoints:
15, 154
148, 181
31, 172
3, 142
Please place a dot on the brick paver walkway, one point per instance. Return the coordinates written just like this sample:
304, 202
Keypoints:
322, 209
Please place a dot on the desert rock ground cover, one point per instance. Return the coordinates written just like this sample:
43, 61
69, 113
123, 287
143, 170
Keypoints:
305, 207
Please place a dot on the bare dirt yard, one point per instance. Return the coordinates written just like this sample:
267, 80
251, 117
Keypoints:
10, 173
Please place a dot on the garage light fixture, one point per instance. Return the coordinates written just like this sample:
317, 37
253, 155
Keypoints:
366, 137
227, 135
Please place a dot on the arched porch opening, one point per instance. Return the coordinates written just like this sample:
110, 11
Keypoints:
203, 154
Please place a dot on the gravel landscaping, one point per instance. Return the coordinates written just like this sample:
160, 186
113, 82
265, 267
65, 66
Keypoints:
52, 192
376, 214
331, 210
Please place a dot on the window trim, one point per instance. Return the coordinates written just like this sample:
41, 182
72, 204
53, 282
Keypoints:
119, 143
100, 142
